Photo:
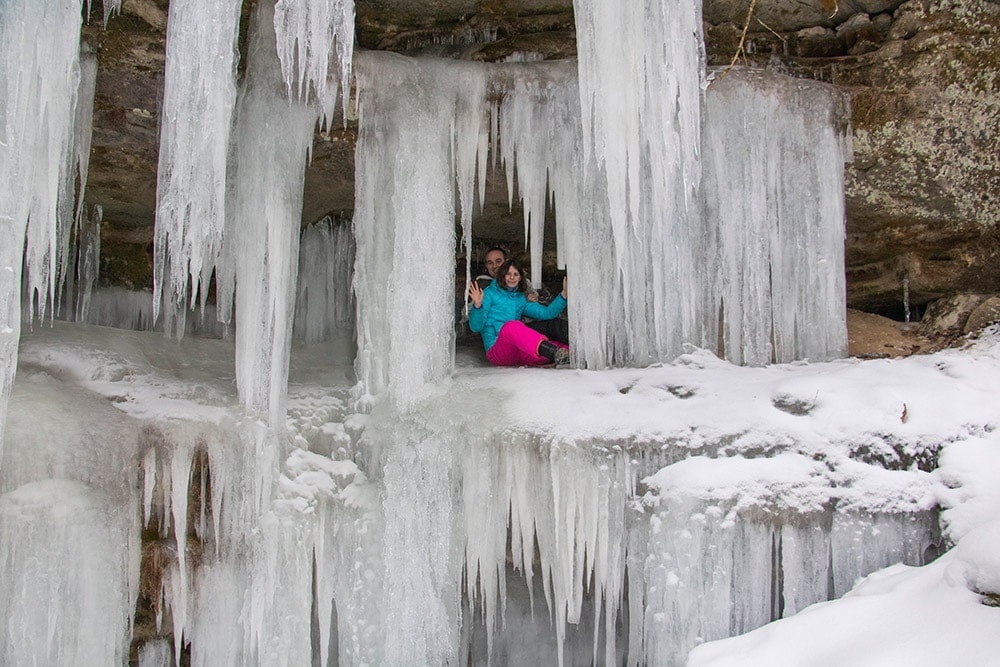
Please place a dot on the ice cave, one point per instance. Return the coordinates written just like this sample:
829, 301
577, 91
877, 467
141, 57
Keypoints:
289, 453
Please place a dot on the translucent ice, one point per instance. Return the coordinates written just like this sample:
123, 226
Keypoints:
774, 154
258, 269
311, 36
199, 94
39, 88
324, 301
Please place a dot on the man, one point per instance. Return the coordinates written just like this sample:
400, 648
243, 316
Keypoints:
555, 329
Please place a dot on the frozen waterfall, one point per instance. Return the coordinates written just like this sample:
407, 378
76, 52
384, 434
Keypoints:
622, 517
757, 251
43, 158
199, 94
341, 486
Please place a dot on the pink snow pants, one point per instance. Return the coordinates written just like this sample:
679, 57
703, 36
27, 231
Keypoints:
517, 345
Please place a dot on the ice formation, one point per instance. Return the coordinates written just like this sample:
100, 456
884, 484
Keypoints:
199, 94
428, 113
775, 200
40, 84
642, 69
256, 276
323, 301
428, 515
489, 516
312, 35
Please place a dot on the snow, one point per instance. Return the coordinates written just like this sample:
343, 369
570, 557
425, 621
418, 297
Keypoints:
704, 479
898, 616
423, 511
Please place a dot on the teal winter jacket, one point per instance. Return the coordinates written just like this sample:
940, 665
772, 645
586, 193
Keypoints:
501, 305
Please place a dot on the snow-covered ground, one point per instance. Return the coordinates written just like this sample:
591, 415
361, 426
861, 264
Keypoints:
704, 445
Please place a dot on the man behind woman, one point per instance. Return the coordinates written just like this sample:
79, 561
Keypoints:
496, 313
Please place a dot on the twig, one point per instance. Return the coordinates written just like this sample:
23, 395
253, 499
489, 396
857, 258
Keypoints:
743, 37
771, 30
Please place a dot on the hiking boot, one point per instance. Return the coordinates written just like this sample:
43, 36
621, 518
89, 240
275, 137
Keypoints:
561, 357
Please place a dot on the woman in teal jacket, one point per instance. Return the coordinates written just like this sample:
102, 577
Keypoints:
496, 313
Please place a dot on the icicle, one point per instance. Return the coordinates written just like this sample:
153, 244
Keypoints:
641, 69
405, 218
273, 137
180, 476
309, 34
199, 93
79, 167
88, 263
324, 302
39, 81
774, 191
111, 7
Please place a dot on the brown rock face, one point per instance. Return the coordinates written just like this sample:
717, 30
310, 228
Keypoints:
923, 193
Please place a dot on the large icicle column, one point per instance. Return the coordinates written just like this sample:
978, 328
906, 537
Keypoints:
39, 80
641, 71
273, 139
775, 149
199, 93
413, 118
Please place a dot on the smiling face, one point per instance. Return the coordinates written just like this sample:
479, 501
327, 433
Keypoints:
494, 260
512, 278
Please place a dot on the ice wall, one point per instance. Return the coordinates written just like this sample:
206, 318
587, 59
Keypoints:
774, 191
62, 608
430, 115
39, 88
324, 301
720, 556
199, 94
69, 569
641, 73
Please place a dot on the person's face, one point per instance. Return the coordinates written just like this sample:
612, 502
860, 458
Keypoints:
494, 259
513, 278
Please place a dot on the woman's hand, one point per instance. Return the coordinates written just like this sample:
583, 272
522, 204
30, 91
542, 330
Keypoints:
564, 287
476, 294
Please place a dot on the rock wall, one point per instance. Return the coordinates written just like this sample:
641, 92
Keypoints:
923, 193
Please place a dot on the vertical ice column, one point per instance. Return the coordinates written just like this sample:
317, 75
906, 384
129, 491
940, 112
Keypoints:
641, 72
307, 33
79, 166
39, 78
273, 138
775, 149
415, 120
199, 93
421, 548
88, 262
324, 302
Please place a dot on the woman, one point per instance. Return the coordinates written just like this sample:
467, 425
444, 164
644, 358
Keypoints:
496, 313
